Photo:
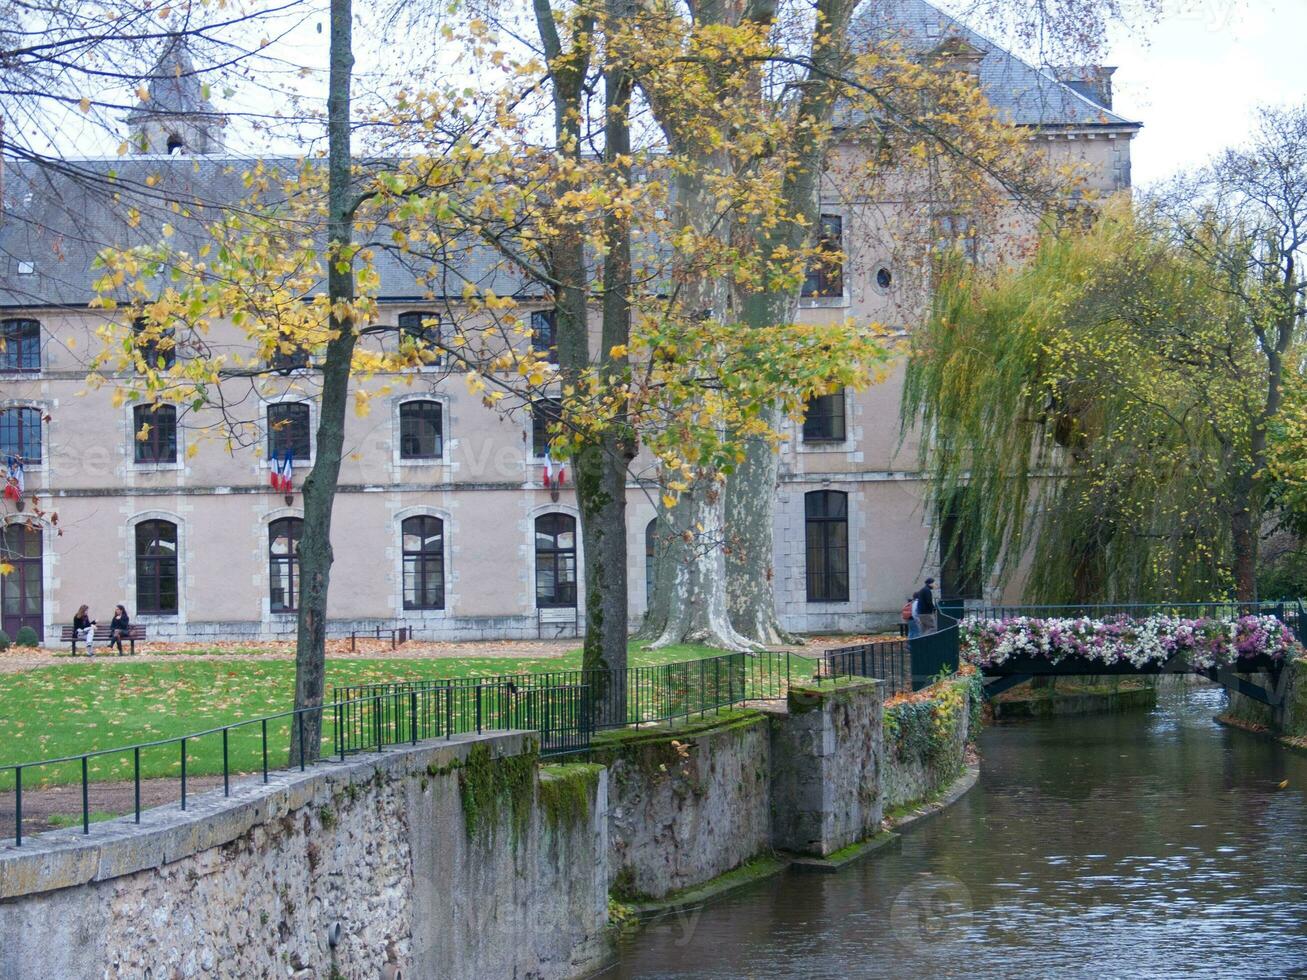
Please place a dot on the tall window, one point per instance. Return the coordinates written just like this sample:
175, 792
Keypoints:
420, 430
288, 429
956, 231
960, 575
823, 419
544, 413
22, 345
826, 526
555, 561
160, 352
20, 434
826, 276
544, 333
424, 562
154, 433
650, 559
289, 356
156, 568
284, 563
424, 330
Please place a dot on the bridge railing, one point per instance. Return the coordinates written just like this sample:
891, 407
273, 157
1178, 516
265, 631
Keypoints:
902, 664
1219, 609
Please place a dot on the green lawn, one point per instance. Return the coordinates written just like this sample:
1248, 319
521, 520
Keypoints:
84, 706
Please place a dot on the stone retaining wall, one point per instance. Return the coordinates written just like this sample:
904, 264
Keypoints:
386, 848
458, 859
921, 760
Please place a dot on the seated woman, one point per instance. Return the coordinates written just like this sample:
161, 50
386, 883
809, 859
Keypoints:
84, 630
118, 628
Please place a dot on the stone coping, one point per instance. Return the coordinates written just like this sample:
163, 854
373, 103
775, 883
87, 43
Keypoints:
66, 858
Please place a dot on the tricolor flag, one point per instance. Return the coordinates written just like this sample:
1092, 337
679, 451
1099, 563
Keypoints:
555, 472
13, 478
283, 473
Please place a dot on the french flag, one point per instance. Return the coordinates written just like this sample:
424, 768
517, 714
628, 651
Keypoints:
283, 472
555, 472
14, 478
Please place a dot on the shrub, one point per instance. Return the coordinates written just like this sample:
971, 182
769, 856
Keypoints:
4, 640
26, 637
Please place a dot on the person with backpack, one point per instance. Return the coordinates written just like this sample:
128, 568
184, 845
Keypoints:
926, 613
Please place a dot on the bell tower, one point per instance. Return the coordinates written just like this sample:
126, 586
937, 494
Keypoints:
177, 118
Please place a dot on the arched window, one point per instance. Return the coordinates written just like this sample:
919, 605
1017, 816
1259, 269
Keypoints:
284, 563
154, 433
22, 345
424, 562
421, 434
156, 568
826, 526
288, 430
20, 434
21, 591
650, 559
555, 561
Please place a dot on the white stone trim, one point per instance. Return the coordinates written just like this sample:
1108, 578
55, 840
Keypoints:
529, 555
178, 618
445, 402
291, 396
395, 562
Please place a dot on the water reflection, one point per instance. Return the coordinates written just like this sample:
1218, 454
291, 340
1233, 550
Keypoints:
1155, 844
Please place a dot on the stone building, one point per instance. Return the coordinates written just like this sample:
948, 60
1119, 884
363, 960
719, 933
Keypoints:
444, 521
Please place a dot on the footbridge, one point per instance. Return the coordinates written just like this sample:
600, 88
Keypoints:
1243, 646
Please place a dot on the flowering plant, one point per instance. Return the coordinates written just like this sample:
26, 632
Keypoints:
1198, 643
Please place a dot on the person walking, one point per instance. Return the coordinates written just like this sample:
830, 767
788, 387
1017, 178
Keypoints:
84, 630
118, 628
925, 608
910, 616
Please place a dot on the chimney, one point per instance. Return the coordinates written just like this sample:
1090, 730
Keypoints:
1094, 82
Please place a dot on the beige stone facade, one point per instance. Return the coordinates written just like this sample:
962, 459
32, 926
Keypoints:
482, 577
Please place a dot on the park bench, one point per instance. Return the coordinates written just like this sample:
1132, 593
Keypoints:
134, 632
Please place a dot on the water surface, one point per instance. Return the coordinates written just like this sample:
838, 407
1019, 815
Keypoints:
1154, 844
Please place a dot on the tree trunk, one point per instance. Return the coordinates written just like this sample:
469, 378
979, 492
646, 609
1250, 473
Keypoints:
751, 490
601, 467
690, 585
319, 492
751, 548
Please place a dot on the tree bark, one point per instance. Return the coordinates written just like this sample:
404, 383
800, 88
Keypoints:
751, 490
315, 556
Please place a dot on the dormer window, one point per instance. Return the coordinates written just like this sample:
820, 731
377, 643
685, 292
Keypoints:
175, 144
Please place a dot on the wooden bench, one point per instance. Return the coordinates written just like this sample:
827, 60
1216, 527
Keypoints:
134, 632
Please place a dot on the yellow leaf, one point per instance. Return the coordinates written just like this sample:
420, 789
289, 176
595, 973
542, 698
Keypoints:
5, 568
85, 104
191, 450
669, 501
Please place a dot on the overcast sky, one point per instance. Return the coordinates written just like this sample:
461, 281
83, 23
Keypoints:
1195, 79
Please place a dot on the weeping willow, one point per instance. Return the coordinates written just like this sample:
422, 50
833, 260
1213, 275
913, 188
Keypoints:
1087, 416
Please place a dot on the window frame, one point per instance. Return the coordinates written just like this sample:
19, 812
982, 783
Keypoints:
414, 404
836, 419
21, 338
823, 527
423, 334
826, 281
152, 348
421, 559
539, 318
20, 428
275, 451
152, 568
556, 559
540, 423
153, 439
294, 527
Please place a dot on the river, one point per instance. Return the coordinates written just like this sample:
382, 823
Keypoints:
1150, 844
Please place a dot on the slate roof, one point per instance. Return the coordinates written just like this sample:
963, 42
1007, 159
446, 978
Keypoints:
1023, 94
58, 216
